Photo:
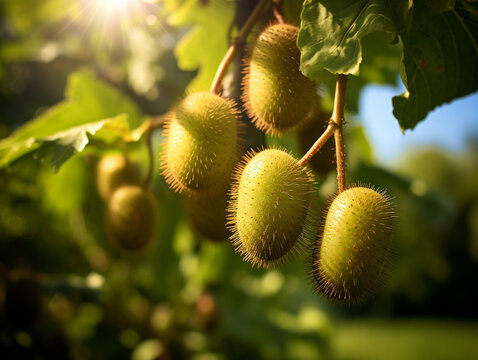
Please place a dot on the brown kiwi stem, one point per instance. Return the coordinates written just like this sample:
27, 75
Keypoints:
157, 122
241, 37
278, 11
327, 134
338, 118
334, 128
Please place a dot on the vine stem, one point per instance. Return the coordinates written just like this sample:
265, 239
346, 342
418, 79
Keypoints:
278, 11
241, 37
338, 118
334, 128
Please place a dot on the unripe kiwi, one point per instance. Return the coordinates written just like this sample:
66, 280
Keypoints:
276, 94
207, 215
271, 207
131, 217
351, 257
201, 146
114, 171
323, 161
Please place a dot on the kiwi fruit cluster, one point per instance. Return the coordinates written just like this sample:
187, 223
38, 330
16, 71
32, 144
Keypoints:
266, 202
131, 210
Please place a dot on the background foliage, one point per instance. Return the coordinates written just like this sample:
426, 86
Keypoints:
76, 84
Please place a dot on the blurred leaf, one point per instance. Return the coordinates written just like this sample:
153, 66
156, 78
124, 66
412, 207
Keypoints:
439, 63
65, 191
26, 15
206, 43
331, 32
360, 148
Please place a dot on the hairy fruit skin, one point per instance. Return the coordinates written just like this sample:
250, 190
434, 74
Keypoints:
208, 216
131, 217
114, 171
201, 147
351, 258
277, 96
271, 208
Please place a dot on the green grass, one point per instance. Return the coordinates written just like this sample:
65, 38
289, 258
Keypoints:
406, 340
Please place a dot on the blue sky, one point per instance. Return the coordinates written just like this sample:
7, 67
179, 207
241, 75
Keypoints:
448, 126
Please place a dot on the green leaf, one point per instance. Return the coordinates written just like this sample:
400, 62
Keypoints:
88, 100
439, 63
331, 32
203, 47
58, 148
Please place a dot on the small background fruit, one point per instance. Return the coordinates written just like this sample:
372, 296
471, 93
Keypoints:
114, 171
131, 217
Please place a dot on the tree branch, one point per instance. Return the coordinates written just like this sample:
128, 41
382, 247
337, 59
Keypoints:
241, 37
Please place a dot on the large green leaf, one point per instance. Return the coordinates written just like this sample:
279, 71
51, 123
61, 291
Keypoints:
440, 61
331, 32
88, 100
58, 148
203, 47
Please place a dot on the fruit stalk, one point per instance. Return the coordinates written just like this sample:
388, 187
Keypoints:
241, 37
278, 11
337, 118
334, 128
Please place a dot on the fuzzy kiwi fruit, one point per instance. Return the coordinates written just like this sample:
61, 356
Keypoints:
271, 208
350, 258
114, 171
201, 146
131, 217
277, 96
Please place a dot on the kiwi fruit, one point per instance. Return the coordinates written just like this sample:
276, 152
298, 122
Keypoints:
277, 96
114, 171
271, 207
201, 144
351, 257
207, 216
131, 217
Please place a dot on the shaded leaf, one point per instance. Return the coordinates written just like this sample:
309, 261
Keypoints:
331, 32
439, 63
